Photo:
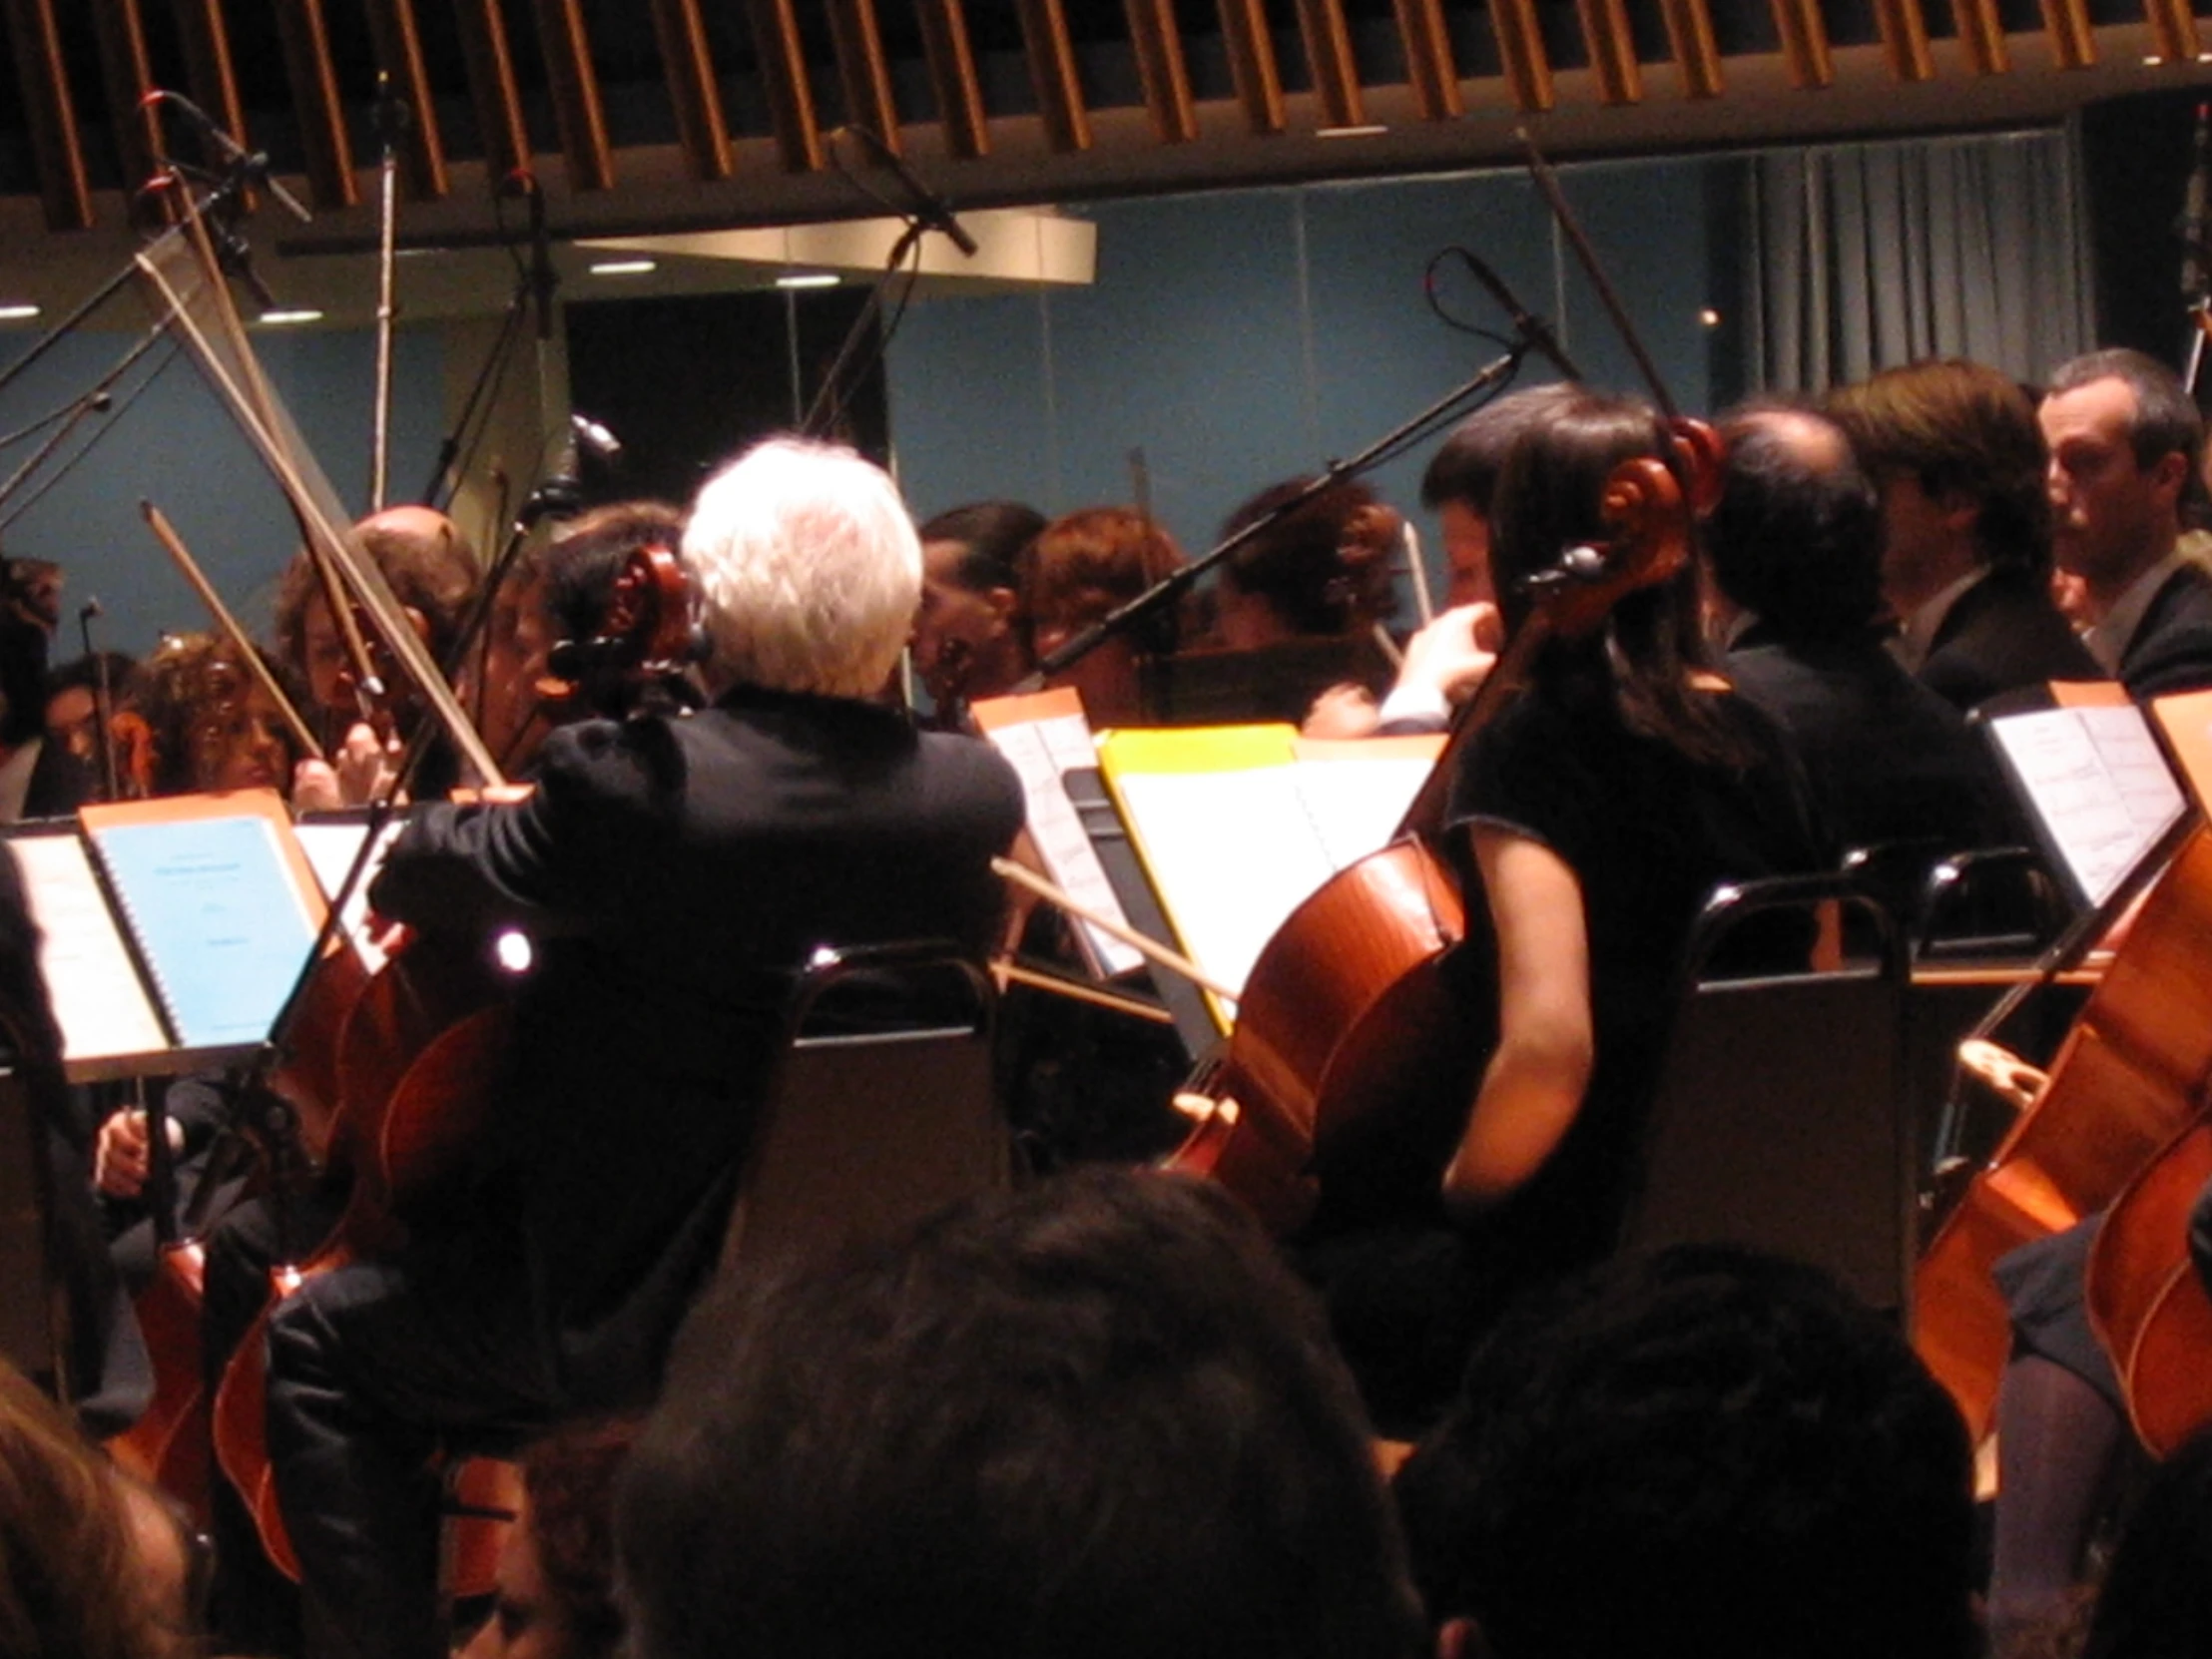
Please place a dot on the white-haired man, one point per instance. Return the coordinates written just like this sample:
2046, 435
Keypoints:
672, 875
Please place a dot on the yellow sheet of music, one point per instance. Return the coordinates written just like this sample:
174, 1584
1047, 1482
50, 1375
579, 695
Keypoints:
1239, 824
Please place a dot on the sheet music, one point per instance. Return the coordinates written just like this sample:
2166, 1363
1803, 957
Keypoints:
1039, 752
2099, 785
1356, 806
331, 848
1233, 854
99, 1001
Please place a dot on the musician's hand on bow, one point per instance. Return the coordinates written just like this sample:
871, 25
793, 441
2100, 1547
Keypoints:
315, 788
122, 1155
1456, 653
366, 764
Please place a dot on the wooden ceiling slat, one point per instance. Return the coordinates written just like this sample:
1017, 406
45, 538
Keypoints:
1522, 55
1430, 65
1903, 31
1620, 78
2173, 23
1051, 52
688, 63
214, 82
1167, 78
492, 87
944, 39
2072, 45
1320, 25
1696, 49
1806, 48
864, 69
1251, 65
127, 75
315, 101
1980, 36
790, 100
575, 84
391, 24
64, 191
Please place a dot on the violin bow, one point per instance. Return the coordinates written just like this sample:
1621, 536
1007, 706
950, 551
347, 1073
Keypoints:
165, 534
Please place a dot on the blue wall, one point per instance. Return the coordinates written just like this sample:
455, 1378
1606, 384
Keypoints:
177, 446
1244, 337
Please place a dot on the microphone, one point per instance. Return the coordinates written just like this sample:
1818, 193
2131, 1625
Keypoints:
595, 441
2194, 252
253, 163
1530, 327
932, 212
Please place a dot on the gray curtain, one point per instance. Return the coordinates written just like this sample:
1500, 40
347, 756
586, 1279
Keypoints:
1864, 255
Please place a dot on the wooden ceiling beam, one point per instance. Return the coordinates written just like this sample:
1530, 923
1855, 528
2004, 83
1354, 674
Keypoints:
944, 39
864, 69
127, 75
1807, 51
1522, 55
688, 64
782, 54
1429, 66
1320, 26
1903, 30
1251, 65
399, 43
65, 192
1053, 69
493, 88
1980, 36
2174, 24
314, 80
2074, 45
1612, 46
1167, 78
1696, 49
575, 85
208, 66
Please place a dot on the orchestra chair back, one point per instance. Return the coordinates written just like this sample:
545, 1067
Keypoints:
33, 1335
1780, 1120
881, 1108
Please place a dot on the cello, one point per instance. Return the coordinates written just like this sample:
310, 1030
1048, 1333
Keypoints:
2147, 1301
1346, 1031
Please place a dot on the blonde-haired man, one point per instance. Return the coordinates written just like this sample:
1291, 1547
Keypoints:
671, 873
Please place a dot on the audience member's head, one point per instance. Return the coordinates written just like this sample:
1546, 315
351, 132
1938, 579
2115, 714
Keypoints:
431, 572
1462, 476
1091, 1419
1704, 1451
1796, 538
1079, 569
807, 568
554, 1597
1953, 449
971, 635
92, 1566
2126, 442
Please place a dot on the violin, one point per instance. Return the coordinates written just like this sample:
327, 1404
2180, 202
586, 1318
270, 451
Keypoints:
1347, 1034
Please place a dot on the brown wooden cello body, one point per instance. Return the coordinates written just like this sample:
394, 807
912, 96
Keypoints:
2147, 1301
2133, 1073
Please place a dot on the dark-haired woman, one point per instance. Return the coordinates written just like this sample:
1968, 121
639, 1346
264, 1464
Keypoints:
1591, 819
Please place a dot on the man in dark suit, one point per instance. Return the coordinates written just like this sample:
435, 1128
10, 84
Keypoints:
2125, 439
1953, 449
671, 874
1796, 551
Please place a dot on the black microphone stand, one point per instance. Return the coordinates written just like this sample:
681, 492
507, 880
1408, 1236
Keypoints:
1387, 448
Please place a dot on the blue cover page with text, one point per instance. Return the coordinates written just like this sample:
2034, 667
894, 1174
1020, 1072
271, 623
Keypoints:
213, 909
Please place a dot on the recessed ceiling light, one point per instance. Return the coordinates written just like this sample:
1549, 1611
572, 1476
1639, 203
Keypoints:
1370, 130
624, 268
281, 319
17, 314
809, 279
1709, 317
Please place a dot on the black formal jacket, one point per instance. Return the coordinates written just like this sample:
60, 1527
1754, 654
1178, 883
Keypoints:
673, 874
2172, 647
2004, 633
1888, 758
